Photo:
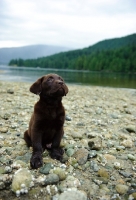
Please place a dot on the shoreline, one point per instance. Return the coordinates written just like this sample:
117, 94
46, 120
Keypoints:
69, 84
99, 144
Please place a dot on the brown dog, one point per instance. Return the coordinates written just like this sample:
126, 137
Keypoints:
46, 124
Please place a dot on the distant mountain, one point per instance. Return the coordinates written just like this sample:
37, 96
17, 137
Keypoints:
114, 55
29, 52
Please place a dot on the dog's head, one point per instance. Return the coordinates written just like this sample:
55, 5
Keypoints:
50, 85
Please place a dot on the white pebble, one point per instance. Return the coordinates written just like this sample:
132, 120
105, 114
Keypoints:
18, 193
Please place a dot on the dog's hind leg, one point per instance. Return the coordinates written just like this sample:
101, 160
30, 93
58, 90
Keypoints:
27, 138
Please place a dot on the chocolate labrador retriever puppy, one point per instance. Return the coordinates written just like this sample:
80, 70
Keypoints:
46, 124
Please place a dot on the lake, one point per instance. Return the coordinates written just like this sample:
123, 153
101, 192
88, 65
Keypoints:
25, 74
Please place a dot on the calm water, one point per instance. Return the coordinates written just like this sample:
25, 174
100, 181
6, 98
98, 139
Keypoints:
24, 74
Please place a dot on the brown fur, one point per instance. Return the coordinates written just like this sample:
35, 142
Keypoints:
46, 124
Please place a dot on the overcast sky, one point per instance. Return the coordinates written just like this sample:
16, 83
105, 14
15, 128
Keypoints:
69, 23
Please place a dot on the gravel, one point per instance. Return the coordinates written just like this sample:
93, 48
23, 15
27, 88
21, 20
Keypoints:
99, 142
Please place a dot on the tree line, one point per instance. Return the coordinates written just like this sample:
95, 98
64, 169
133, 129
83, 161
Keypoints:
122, 59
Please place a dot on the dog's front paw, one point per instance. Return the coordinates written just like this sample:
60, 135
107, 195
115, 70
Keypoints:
57, 154
36, 161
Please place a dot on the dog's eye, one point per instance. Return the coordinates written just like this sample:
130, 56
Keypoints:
50, 79
61, 79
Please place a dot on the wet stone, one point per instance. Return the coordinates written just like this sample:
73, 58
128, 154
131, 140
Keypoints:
122, 189
81, 156
10, 91
46, 168
51, 179
95, 143
70, 152
3, 129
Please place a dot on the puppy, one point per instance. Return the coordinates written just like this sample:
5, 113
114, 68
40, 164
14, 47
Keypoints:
46, 124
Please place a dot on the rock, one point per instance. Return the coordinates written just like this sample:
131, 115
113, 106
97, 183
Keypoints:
80, 124
10, 91
92, 154
3, 129
131, 128
114, 116
22, 179
77, 135
131, 157
8, 169
60, 172
51, 179
46, 168
70, 152
103, 173
109, 158
95, 143
68, 118
69, 182
93, 189
2, 169
18, 164
73, 195
65, 158
134, 195
120, 148
126, 174
117, 165
127, 143
94, 166
81, 156
5, 116
122, 189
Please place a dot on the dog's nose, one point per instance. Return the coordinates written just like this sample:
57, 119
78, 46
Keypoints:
60, 82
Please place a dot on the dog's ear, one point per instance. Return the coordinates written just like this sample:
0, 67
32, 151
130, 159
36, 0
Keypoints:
36, 88
66, 90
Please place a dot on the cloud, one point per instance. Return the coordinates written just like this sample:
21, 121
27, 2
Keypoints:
73, 23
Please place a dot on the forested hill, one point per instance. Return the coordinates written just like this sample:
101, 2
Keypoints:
117, 55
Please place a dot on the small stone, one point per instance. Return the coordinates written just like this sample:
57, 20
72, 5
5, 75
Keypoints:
10, 91
3, 129
70, 152
77, 135
80, 124
117, 165
95, 144
73, 194
92, 154
6, 116
22, 176
114, 116
8, 169
68, 118
127, 143
69, 182
122, 189
46, 168
81, 156
94, 166
134, 195
51, 179
131, 157
103, 173
126, 174
61, 173
120, 148
2, 170
2, 185
131, 129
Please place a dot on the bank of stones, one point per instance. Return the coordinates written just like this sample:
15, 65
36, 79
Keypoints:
99, 143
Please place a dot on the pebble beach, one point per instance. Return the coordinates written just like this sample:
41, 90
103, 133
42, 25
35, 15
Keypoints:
99, 142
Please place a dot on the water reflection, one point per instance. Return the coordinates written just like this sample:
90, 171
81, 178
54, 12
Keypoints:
76, 77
